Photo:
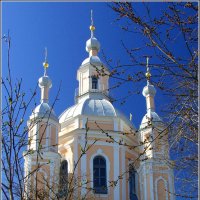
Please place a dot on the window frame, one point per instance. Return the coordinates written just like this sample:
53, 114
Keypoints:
95, 82
102, 189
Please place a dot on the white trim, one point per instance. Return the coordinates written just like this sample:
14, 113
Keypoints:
56, 136
36, 136
52, 177
171, 184
116, 171
83, 167
151, 183
75, 153
48, 135
121, 125
145, 183
115, 123
84, 120
100, 152
123, 172
50, 147
156, 187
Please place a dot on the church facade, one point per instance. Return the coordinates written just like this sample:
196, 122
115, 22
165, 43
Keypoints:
92, 151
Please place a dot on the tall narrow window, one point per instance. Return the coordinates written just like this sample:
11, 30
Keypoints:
63, 178
99, 175
132, 183
94, 82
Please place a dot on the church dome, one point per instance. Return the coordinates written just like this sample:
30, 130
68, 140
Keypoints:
45, 81
149, 90
150, 115
43, 110
92, 44
92, 107
94, 60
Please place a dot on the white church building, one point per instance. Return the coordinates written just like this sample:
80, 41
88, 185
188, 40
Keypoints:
92, 151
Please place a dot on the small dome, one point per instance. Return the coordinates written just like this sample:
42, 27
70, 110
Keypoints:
149, 90
150, 115
43, 110
95, 60
92, 107
45, 81
92, 44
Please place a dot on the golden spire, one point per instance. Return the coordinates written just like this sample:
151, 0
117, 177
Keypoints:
148, 74
92, 27
45, 63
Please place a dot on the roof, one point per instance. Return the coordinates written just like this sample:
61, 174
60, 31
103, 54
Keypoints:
150, 116
93, 107
43, 110
95, 60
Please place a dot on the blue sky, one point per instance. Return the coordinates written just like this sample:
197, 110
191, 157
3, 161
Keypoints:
64, 28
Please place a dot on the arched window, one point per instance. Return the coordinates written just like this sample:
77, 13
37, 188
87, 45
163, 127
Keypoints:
99, 175
94, 82
63, 178
132, 183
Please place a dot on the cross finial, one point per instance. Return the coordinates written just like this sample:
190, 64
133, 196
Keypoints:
92, 18
45, 54
148, 74
92, 27
45, 63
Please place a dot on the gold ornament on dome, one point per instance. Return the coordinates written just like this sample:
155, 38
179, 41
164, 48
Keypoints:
92, 28
45, 64
148, 75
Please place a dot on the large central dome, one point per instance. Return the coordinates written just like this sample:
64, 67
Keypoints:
92, 107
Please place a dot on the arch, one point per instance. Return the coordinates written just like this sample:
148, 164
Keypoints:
160, 178
99, 152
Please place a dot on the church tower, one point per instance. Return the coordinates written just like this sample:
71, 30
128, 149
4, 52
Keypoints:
95, 137
155, 172
42, 160
92, 75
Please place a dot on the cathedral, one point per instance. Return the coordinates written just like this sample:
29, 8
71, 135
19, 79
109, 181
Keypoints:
92, 150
